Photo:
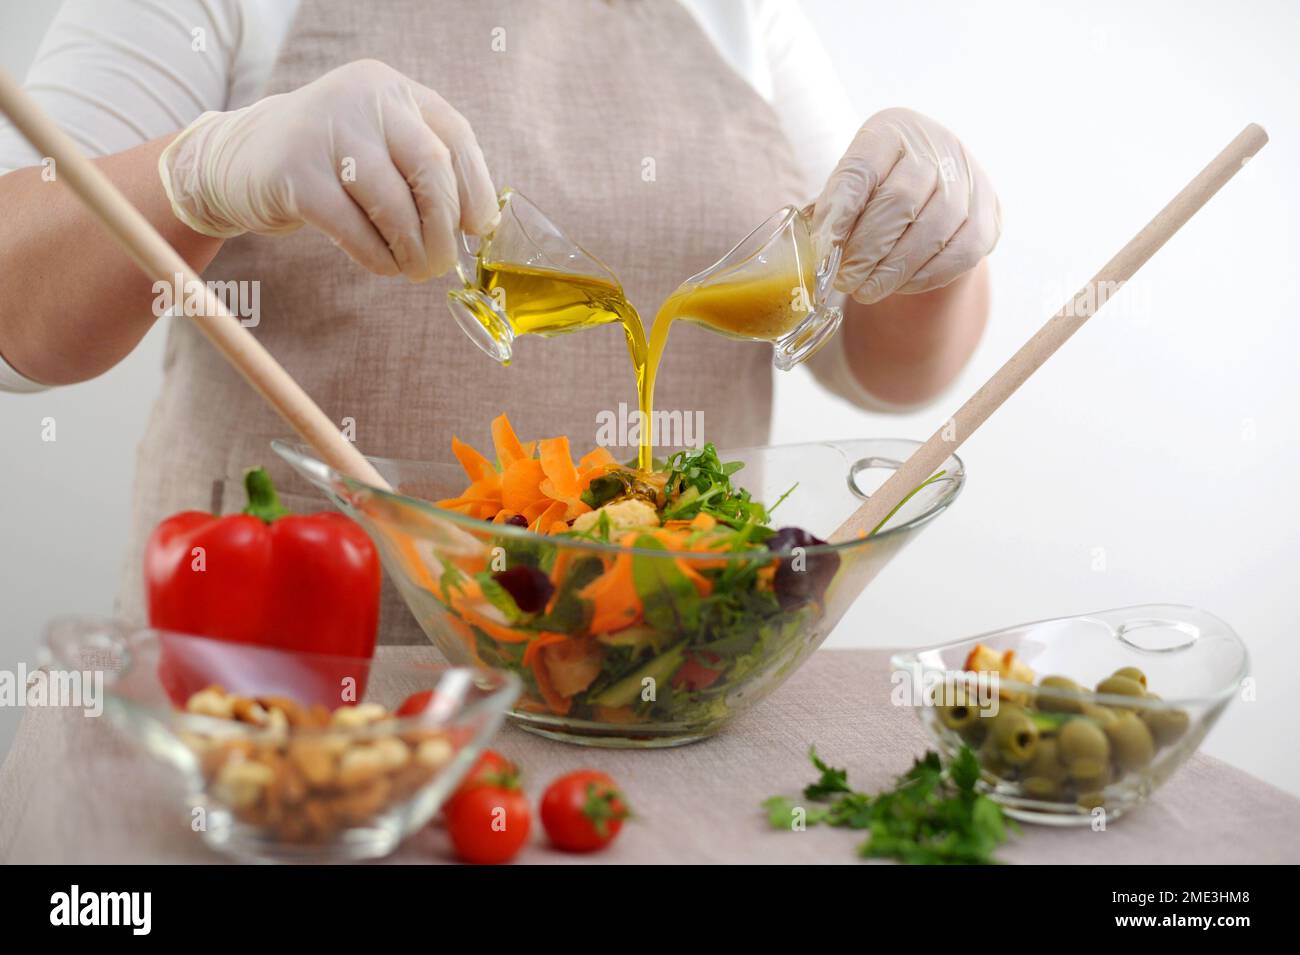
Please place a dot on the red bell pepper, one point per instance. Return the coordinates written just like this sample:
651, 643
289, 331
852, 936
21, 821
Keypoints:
265, 577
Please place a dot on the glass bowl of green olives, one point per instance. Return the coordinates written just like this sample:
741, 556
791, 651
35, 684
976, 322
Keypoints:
1078, 715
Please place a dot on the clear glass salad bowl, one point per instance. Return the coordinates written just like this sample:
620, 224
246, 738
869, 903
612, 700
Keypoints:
1060, 754
637, 645
351, 786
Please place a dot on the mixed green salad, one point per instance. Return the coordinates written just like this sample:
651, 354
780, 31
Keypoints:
669, 627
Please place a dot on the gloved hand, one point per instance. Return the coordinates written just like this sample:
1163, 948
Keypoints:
913, 210
380, 164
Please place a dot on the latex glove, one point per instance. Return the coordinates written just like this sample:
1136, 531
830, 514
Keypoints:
380, 164
912, 208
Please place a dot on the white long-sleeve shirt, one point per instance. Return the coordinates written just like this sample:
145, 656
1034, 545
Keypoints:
117, 73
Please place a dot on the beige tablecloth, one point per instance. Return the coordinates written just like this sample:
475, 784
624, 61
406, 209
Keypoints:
71, 790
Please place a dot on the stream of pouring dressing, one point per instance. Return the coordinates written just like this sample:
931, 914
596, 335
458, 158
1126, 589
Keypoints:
763, 307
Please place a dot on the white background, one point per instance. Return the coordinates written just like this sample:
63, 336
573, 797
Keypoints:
1155, 459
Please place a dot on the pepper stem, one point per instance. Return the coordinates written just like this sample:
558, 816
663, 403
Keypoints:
263, 502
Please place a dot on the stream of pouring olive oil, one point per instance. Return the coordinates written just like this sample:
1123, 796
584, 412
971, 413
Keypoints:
543, 302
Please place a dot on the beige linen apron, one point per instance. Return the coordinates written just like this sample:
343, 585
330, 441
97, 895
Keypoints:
620, 120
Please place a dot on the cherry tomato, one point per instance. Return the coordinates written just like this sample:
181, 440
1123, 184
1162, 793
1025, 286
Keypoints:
695, 675
491, 769
488, 824
415, 704
583, 811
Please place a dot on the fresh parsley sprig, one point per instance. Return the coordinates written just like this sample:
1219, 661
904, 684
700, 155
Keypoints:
932, 816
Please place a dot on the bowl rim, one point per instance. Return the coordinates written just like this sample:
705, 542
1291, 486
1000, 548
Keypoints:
302, 457
911, 660
500, 695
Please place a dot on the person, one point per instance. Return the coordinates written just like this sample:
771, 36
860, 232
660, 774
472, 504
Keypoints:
269, 141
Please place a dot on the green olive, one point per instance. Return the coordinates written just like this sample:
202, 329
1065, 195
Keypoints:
1100, 715
1131, 741
1046, 763
1093, 800
991, 761
958, 717
1082, 739
1120, 686
1051, 703
1015, 735
1166, 726
1040, 787
1134, 674
975, 734
962, 716
1090, 774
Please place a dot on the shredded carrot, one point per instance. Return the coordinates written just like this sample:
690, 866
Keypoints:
535, 510
563, 559
574, 507
519, 484
557, 464
599, 458
554, 512
545, 686
415, 565
466, 634
543, 639
509, 450
476, 466
703, 586
496, 629
615, 714
587, 475
466, 591
534, 477
615, 602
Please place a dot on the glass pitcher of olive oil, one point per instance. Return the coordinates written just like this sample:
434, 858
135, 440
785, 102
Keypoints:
529, 278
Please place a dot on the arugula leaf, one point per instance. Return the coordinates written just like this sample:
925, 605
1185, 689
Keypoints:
499, 597
533, 553
910, 494
502, 656
669, 599
788, 492
452, 578
569, 613
930, 817
700, 482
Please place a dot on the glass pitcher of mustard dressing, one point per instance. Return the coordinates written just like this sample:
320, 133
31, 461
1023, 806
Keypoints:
529, 278
772, 287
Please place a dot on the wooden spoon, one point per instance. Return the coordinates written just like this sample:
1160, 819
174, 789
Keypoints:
162, 263
926, 459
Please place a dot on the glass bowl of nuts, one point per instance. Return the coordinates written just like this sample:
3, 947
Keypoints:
290, 756
1078, 716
